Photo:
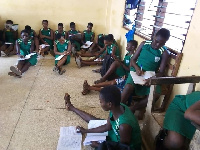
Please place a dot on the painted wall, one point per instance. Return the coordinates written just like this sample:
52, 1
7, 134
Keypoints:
27, 12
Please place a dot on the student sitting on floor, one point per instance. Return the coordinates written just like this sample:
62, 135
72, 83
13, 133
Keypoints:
33, 36
9, 37
120, 68
24, 47
61, 31
122, 126
110, 49
88, 35
98, 45
74, 39
181, 119
152, 56
61, 47
46, 38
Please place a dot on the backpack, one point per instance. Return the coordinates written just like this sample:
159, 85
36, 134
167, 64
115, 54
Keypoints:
108, 60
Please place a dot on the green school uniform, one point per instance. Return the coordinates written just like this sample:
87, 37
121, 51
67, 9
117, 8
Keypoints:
88, 35
9, 36
110, 47
32, 33
174, 117
77, 44
150, 60
100, 42
61, 48
126, 118
63, 33
25, 50
47, 33
120, 70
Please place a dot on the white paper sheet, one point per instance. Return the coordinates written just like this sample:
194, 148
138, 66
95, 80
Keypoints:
27, 56
141, 79
88, 44
60, 57
8, 43
69, 139
15, 27
88, 139
94, 124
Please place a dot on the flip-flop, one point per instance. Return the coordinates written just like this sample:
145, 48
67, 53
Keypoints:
85, 90
96, 71
66, 104
55, 69
78, 61
13, 74
62, 71
16, 70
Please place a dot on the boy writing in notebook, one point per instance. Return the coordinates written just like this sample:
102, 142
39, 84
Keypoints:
122, 126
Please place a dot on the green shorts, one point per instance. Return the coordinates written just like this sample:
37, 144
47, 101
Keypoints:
174, 118
140, 90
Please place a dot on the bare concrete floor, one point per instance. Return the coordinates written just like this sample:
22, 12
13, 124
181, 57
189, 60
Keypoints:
32, 108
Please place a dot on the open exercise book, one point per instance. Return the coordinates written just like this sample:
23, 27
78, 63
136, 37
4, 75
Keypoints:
100, 137
88, 44
141, 79
77, 35
69, 139
27, 56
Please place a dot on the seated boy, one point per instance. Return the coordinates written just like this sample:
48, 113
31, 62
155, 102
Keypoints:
61, 47
72, 36
24, 47
118, 68
181, 118
33, 36
9, 37
46, 38
152, 56
122, 126
61, 31
110, 49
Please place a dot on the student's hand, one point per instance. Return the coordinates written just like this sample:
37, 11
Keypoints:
65, 53
80, 129
42, 36
85, 44
21, 56
139, 72
94, 144
46, 43
147, 83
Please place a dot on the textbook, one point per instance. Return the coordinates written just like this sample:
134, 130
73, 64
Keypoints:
141, 79
69, 139
88, 44
100, 137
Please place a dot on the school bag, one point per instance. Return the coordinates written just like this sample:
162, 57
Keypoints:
110, 145
108, 60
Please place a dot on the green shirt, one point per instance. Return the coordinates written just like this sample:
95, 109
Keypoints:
100, 42
88, 35
73, 31
47, 33
9, 35
126, 118
24, 48
63, 33
110, 48
62, 47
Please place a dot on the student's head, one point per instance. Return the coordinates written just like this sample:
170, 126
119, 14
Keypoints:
110, 97
60, 38
45, 23
160, 38
24, 35
89, 26
131, 45
9, 24
28, 28
60, 27
108, 39
72, 25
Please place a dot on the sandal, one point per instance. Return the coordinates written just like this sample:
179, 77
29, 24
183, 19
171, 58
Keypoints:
16, 70
62, 71
98, 81
78, 61
85, 88
13, 74
67, 101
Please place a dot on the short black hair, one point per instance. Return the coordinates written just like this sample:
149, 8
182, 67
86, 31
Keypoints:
165, 33
9, 21
133, 43
111, 94
109, 37
28, 28
45, 21
90, 24
72, 24
60, 24
24, 31
58, 36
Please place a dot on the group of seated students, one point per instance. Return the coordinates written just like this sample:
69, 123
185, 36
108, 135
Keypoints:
116, 86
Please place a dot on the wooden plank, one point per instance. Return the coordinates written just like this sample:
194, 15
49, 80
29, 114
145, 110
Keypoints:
174, 80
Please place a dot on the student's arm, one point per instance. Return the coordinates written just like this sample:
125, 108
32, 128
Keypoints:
14, 33
82, 38
66, 35
18, 50
125, 67
113, 52
125, 132
41, 37
34, 34
49, 37
69, 49
93, 37
4, 35
56, 51
99, 129
32, 47
134, 59
193, 113
163, 64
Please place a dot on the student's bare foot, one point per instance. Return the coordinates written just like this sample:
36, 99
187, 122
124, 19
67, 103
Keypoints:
78, 61
16, 70
68, 104
86, 88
